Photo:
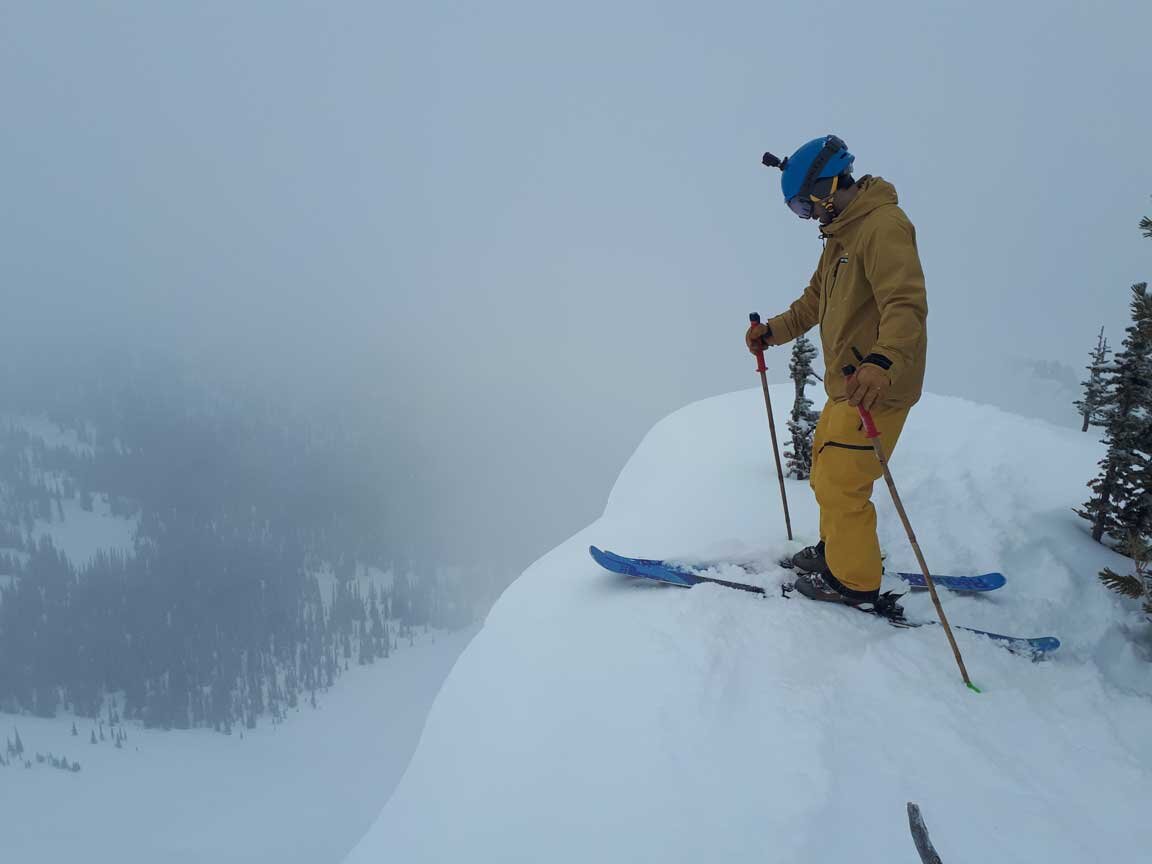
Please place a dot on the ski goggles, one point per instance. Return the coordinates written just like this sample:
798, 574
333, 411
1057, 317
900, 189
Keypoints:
821, 191
800, 206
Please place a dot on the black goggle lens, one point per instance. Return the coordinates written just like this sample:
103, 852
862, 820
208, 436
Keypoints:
802, 204
823, 188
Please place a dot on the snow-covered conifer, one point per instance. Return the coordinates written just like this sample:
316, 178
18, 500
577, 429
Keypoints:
1094, 386
1136, 585
802, 423
1121, 505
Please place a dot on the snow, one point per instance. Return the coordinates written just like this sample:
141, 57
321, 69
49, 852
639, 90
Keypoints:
50, 433
298, 793
83, 533
600, 718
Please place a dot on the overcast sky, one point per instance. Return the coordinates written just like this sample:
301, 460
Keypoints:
522, 232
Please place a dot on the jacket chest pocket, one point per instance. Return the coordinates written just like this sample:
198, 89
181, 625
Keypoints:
828, 294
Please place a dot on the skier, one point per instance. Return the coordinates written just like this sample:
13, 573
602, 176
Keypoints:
868, 297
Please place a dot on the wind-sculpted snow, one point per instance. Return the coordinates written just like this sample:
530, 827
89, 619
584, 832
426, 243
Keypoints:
597, 718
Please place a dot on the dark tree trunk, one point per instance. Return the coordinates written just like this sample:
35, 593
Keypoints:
1101, 511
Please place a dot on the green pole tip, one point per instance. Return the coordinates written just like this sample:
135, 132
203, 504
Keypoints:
973, 687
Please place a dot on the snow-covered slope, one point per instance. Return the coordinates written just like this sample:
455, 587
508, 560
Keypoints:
597, 718
79, 532
300, 792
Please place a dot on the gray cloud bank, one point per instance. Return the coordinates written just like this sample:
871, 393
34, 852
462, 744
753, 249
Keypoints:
513, 235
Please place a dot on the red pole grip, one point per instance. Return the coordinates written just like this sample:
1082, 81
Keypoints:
754, 318
870, 429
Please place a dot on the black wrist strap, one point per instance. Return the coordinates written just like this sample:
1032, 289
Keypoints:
878, 360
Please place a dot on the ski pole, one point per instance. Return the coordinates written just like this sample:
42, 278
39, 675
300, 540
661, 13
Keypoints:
763, 370
873, 435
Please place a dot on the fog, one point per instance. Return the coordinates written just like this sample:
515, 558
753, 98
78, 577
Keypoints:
509, 237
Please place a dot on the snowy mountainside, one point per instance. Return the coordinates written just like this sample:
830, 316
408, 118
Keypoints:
79, 522
300, 791
601, 718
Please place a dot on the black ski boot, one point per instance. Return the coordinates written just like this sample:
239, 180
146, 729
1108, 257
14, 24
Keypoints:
826, 587
810, 559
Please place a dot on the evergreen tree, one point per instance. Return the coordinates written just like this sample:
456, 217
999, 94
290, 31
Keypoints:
1121, 505
1136, 585
1094, 389
802, 423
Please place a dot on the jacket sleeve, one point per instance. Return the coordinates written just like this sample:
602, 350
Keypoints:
802, 315
892, 265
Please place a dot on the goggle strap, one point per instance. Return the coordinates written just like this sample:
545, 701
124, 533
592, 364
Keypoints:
826, 202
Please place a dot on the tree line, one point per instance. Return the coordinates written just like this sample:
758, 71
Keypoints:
1117, 397
259, 572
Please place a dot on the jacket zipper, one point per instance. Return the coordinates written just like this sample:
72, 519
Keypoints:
843, 446
828, 296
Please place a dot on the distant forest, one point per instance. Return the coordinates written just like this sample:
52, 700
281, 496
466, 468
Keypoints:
260, 571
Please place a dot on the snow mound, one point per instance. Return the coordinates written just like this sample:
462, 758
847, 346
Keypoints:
600, 718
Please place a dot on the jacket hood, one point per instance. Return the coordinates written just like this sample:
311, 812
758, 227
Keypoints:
874, 192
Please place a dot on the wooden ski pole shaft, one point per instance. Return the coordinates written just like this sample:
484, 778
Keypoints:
920, 836
763, 370
874, 436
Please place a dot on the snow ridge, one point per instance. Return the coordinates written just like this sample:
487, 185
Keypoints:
597, 717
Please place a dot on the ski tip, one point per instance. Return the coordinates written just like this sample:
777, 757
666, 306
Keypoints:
995, 580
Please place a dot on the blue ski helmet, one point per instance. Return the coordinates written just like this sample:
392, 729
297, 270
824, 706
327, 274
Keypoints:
819, 159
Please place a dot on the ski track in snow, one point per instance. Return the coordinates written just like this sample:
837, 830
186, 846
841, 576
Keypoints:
597, 717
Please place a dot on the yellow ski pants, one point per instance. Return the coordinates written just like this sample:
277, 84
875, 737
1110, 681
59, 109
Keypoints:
844, 467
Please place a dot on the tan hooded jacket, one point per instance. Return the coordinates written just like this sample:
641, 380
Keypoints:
867, 294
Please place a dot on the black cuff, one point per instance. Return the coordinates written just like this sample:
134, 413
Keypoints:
843, 590
878, 360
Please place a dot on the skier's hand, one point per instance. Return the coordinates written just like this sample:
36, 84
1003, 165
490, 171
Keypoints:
758, 337
868, 386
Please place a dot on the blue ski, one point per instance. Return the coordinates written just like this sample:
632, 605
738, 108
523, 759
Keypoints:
983, 582
686, 577
661, 571
961, 584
